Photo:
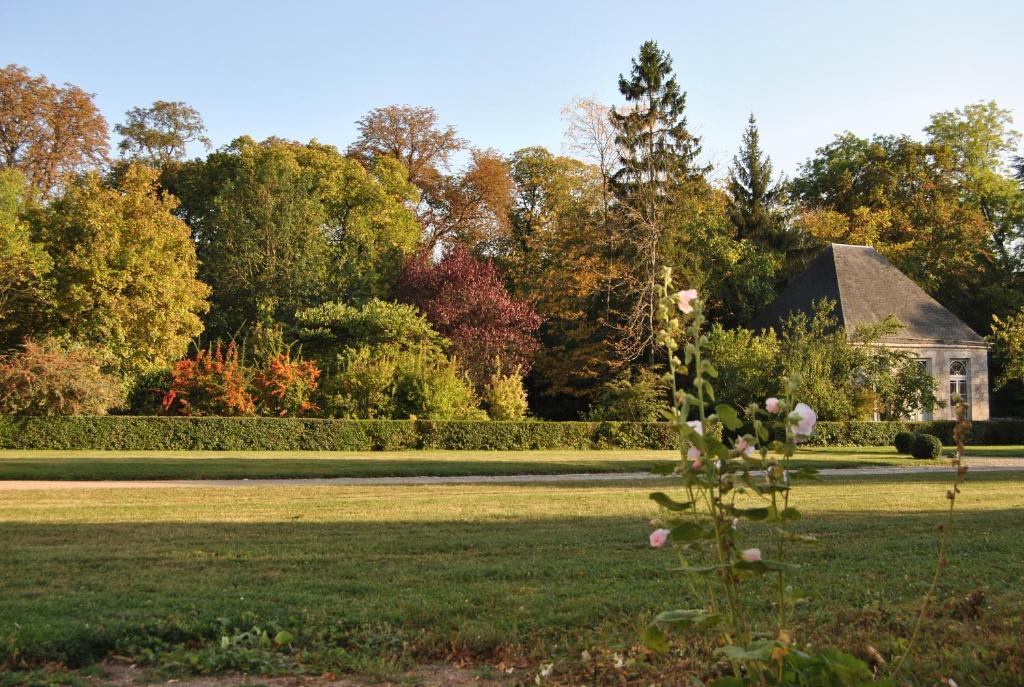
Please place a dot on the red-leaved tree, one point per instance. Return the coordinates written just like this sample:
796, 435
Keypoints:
465, 301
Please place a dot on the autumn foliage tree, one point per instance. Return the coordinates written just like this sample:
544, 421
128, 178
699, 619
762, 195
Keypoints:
48, 131
466, 301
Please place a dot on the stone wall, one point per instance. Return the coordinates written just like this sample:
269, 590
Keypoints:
940, 358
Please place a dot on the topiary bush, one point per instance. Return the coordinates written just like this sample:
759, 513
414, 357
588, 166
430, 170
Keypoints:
926, 447
904, 442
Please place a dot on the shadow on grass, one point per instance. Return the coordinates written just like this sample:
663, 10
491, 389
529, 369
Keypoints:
73, 593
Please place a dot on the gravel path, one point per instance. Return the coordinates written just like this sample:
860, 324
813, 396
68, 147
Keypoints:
976, 465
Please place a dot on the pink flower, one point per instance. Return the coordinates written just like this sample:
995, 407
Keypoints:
745, 447
684, 300
696, 426
658, 538
805, 420
694, 455
750, 555
772, 405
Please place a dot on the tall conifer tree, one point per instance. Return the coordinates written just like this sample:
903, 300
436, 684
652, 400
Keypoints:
657, 157
755, 200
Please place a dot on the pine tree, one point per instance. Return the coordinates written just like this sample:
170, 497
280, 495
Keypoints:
754, 199
657, 157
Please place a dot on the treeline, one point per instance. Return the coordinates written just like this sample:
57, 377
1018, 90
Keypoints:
415, 274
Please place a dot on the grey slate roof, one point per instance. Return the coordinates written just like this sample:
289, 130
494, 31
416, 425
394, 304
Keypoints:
867, 288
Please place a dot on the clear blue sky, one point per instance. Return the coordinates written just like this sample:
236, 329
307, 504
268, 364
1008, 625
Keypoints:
500, 72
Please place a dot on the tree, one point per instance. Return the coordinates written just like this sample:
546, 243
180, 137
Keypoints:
657, 155
159, 134
590, 134
124, 270
465, 300
755, 199
468, 207
47, 131
1007, 339
978, 140
285, 226
410, 135
555, 262
849, 376
25, 288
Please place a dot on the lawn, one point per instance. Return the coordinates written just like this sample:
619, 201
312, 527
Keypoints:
374, 579
129, 465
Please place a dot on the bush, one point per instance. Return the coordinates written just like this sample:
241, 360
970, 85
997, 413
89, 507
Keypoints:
636, 398
214, 382
505, 397
285, 386
48, 378
904, 441
926, 447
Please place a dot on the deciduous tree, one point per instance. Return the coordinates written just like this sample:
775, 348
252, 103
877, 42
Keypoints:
124, 269
287, 225
25, 287
465, 300
160, 134
47, 131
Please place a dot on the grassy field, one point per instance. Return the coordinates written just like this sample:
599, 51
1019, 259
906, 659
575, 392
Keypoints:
129, 465
374, 579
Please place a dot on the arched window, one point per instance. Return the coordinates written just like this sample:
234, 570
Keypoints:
959, 383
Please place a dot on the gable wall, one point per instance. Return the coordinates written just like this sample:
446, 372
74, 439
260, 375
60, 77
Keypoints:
941, 356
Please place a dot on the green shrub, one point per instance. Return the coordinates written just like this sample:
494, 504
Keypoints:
926, 447
903, 442
504, 396
639, 397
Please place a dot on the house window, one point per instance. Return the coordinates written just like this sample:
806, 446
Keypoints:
959, 383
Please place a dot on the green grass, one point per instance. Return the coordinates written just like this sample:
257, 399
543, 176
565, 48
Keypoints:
371, 579
133, 465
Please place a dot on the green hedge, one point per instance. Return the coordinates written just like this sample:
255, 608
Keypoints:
291, 434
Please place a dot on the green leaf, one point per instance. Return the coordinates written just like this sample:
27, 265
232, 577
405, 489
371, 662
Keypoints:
755, 651
727, 414
655, 639
665, 501
688, 618
791, 514
764, 565
284, 637
751, 513
691, 531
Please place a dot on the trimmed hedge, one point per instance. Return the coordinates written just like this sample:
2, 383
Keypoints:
294, 434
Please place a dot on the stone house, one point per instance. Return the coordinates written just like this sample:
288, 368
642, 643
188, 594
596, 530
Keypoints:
867, 288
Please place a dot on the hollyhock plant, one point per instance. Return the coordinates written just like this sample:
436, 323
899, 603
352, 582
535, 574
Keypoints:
721, 485
752, 477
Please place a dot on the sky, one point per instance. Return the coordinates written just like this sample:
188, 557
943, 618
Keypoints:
501, 72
